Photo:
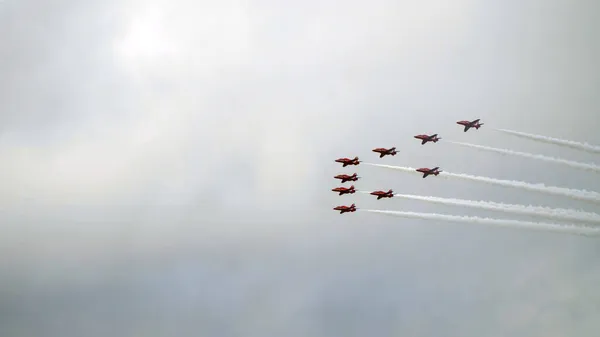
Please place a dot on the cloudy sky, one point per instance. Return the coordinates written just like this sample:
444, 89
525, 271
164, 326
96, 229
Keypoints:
167, 166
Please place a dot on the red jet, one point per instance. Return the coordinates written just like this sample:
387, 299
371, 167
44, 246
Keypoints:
384, 152
474, 124
345, 177
345, 190
425, 138
344, 209
383, 194
347, 161
435, 171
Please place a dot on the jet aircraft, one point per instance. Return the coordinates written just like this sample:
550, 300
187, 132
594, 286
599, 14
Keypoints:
425, 138
347, 161
474, 124
383, 194
385, 152
344, 190
426, 171
344, 209
344, 177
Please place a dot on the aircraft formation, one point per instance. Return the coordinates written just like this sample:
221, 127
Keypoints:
571, 215
434, 138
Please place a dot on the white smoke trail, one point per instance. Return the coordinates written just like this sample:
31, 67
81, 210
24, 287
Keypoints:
552, 190
573, 164
556, 141
400, 168
537, 211
540, 226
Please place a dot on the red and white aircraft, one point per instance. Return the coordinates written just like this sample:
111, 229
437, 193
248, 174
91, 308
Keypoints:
426, 171
385, 152
383, 194
474, 124
345, 177
347, 161
425, 138
345, 190
344, 209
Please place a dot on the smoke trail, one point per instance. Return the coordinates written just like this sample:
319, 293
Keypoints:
540, 226
538, 211
552, 190
400, 168
556, 141
573, 164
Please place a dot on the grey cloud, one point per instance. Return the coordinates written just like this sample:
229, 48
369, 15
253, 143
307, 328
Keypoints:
183, 186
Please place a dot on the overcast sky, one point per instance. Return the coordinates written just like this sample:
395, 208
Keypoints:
167, 165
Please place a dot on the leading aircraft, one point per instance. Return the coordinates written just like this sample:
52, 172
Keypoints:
347, 161
383, 194
425, 138
385, 152
344, 209
345, 190
474, 124
426, 171
345, 177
